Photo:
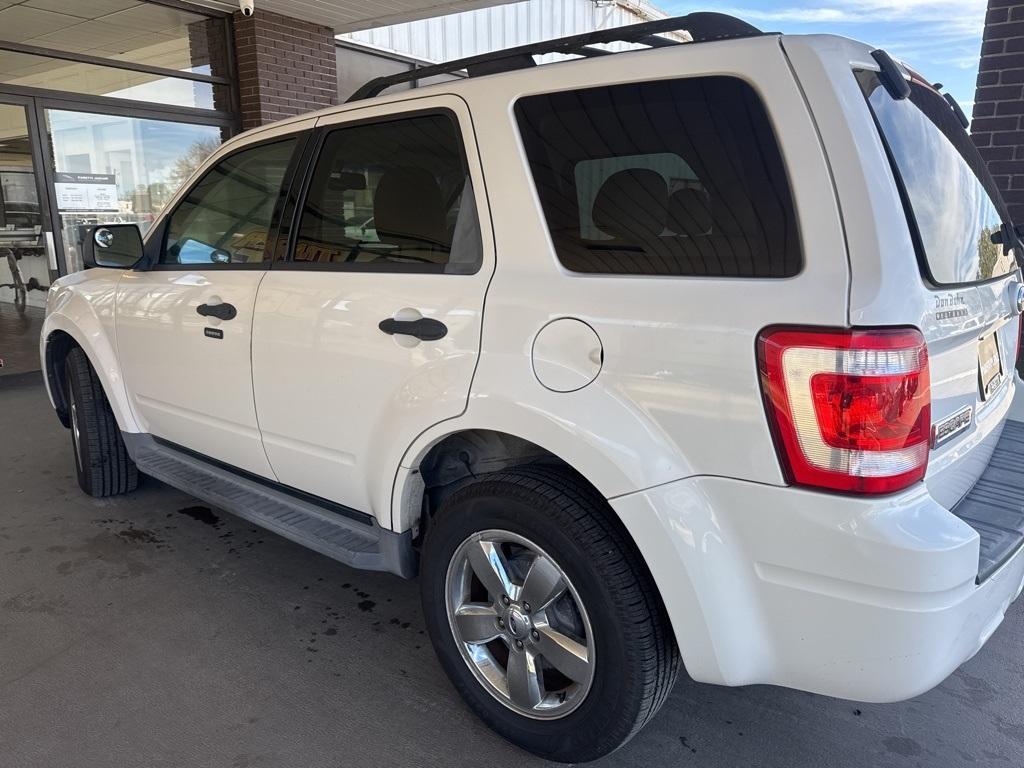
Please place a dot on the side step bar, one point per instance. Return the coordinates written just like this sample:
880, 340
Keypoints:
355, 539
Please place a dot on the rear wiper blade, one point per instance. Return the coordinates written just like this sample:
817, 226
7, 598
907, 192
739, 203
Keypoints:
960, 116
1010, 236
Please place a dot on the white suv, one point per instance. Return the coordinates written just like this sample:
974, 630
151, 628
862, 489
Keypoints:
701, 353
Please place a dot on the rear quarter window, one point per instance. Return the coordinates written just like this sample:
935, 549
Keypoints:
679, 177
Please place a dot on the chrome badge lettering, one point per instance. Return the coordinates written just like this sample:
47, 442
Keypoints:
952, 425
952, 306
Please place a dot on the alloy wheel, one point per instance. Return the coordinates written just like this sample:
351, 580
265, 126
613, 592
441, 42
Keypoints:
520, 624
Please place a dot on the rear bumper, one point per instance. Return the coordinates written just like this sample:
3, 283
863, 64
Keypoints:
873, 600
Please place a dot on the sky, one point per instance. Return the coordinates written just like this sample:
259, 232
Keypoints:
941, 39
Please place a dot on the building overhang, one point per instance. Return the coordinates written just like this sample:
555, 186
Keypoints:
352, 17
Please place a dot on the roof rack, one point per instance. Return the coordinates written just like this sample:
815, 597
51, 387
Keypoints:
702, 27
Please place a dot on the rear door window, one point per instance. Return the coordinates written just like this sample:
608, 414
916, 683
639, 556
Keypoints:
952, 204
678, 177
391, 196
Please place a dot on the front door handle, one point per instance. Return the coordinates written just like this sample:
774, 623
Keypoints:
222, 311
425, 328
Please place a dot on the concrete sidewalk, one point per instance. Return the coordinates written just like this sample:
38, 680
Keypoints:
151, 631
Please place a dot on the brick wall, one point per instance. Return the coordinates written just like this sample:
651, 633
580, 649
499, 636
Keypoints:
285, 67
998, 123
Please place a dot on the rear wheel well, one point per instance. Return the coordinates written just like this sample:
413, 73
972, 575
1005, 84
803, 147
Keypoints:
58, 345
460, 458
463, 457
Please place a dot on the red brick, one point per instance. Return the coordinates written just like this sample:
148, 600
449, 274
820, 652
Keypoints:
986, 124
998, 92
1003, 31
997, 16
997, 153
990, 47
1007, 138
279, 61
1003, 61
1005, 107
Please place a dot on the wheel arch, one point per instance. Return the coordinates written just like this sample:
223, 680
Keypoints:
456, 451
57, 346
60, 335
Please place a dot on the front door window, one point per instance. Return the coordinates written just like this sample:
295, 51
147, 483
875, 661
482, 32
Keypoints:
225, 217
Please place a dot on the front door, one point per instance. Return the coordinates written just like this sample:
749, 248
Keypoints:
368, 333
184, 326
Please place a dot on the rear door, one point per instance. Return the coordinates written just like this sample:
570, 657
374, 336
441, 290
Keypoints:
367, 328
184, 326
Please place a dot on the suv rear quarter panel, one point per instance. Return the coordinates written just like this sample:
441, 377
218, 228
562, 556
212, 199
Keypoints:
887, 283
678, 393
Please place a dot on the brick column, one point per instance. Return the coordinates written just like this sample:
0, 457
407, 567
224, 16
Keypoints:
998, 124
285, 67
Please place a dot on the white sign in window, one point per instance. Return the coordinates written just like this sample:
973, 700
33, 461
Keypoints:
86, 192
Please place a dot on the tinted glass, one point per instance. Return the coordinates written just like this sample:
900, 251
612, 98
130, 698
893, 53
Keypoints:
944, 185
29, 70
128, 30
225, 217
392, 196
680, 177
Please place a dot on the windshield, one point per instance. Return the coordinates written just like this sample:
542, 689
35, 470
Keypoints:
949, 195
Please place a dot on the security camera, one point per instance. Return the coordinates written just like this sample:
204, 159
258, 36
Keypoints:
246, 7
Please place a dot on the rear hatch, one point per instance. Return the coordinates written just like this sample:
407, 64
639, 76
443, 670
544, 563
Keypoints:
959, 227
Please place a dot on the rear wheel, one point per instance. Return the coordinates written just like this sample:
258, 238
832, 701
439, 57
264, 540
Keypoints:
102, 463
544, 615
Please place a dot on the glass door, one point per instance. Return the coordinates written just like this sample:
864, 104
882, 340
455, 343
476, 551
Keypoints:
27, 255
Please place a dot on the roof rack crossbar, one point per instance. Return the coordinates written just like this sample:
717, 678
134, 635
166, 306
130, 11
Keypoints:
702, 26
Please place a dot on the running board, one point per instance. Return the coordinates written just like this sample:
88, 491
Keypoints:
345, 535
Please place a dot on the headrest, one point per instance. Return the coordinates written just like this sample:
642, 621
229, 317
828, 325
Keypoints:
408, 209
631, 205
689, 212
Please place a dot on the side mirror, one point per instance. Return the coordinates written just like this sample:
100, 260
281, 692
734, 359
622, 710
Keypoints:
111, 245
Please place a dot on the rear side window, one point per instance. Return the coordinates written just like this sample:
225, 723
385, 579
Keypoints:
952, 203
677, 177
393, 196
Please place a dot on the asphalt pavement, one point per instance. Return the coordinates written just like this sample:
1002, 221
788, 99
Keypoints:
150, 630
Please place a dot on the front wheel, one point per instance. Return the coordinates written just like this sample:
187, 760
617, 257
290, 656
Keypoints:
102, 463
543, 614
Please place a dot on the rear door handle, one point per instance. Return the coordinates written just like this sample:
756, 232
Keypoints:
425, 328
222, 311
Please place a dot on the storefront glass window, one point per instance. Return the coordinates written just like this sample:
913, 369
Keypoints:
29, 70
126, 30
110, 168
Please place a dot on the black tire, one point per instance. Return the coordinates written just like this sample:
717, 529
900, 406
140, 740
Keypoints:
102, 462
636, 662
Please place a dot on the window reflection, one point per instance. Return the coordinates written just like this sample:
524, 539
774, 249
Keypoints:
29, 70
954, 213
126, 30
120, 169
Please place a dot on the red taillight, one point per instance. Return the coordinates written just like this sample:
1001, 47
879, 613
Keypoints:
851, 409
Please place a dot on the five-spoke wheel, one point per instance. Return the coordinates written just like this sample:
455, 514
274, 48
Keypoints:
520, 624
543, 614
